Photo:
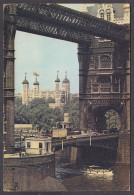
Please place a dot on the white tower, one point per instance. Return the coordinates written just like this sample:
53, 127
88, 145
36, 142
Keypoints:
25, 89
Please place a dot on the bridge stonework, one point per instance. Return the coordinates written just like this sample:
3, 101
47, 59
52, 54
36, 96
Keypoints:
8, 82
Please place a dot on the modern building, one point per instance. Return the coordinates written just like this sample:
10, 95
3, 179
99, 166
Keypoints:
60, 95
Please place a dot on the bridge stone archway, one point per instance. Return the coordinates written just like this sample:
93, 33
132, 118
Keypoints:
103, 119
63, 23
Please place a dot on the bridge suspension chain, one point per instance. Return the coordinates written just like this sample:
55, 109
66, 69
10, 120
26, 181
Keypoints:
47, 29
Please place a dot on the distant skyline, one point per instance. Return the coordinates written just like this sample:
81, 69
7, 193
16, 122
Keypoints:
46, 56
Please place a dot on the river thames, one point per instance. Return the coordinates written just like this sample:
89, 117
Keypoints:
73, 178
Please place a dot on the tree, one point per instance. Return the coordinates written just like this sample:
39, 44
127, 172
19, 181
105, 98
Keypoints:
21, 112
38, 113
72, 108
51, 100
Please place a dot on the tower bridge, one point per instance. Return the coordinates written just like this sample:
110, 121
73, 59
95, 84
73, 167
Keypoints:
104, 81
104, 65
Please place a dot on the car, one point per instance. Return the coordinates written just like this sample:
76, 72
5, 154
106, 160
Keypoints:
114, 130
106, 131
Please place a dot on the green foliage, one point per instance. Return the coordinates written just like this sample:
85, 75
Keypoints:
72, 108
51, 100
21, 112
112, 119
38, 113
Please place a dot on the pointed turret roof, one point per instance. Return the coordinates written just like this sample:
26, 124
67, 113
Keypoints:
36, 82
57, 79
25, 80
66, 79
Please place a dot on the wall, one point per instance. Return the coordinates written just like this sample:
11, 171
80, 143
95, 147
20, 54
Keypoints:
20, 174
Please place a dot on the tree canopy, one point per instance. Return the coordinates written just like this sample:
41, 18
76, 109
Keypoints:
38, 113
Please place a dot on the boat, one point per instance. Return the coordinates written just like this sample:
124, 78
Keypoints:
96, 170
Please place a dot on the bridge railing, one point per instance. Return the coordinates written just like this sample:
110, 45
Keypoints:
83, 139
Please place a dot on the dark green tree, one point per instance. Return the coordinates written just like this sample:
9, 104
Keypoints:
21, 112
38, 113
72, 108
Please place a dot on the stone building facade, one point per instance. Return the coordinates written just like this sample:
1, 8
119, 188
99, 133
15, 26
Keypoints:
60, 95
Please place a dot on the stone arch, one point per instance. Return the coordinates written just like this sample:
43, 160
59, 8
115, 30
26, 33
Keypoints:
104, 121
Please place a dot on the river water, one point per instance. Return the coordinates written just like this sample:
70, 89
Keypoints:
73, 178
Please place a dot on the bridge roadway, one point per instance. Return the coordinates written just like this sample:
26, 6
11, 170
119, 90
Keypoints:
108, 141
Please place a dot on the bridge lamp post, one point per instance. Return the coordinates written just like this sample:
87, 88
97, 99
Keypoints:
91, 134
20, 142
62, 144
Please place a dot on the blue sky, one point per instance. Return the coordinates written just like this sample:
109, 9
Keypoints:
45, 55
35, 53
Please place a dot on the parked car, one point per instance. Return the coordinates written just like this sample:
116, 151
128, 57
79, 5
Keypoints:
114, 130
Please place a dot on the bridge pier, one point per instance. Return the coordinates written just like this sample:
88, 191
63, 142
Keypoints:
83, 57
123, 151
73, 155
8, 81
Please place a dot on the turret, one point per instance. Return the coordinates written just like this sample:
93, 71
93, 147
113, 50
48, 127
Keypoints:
57, 83
25, 89
66, 83
66, 87
36, 85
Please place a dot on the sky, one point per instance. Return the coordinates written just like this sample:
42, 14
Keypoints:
46, 56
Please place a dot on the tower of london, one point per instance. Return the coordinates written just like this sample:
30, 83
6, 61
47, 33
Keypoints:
60, 95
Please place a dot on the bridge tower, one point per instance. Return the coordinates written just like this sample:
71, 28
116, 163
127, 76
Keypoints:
104, 83
104, 77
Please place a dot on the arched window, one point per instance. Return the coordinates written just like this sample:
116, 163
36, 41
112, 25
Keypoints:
108, 14
102, 14
105, 62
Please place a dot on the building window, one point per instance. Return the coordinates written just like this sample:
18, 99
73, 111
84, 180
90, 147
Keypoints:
92, 63
47, 147
108, 16
116, 84
95, 88
105, 87
105, 62
28, 144
116, 87
40, 145
102, 14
